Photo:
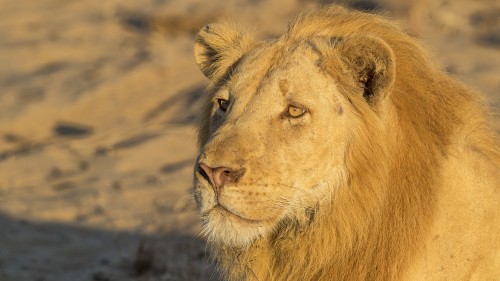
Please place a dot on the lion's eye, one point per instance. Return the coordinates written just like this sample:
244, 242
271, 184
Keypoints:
295, 112
223, 104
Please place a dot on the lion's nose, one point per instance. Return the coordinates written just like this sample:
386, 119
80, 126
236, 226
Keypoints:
220, 176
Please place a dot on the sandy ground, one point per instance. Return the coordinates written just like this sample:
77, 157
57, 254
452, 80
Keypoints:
97, 104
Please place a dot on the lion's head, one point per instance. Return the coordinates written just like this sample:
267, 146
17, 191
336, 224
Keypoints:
279, 124
323, 152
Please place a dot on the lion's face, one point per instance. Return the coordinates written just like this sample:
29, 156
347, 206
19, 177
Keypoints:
276, 144
285, 126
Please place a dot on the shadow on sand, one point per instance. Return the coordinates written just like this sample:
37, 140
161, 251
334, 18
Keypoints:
38, 251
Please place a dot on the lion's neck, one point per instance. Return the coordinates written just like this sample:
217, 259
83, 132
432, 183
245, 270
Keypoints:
321, 251
328, 249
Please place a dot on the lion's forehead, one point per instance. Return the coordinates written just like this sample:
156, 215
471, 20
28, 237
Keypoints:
274, 72
268, 58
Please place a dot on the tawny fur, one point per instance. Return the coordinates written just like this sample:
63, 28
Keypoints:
416, 194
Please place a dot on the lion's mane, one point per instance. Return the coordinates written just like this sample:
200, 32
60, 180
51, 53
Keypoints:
375, 226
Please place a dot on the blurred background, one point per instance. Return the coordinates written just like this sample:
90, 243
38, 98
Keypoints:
97, 108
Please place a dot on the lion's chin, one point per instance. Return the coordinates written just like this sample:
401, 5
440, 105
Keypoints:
225, 227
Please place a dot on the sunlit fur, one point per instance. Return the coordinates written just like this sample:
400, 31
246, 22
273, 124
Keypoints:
415, 195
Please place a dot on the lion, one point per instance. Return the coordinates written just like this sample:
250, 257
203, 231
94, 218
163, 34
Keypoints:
342, 151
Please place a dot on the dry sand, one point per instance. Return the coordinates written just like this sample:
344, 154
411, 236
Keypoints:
97, 104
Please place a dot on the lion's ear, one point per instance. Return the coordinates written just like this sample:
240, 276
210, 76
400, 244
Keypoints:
219, 46
371, 61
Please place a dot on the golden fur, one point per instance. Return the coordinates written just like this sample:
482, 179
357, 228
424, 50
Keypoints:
391, 173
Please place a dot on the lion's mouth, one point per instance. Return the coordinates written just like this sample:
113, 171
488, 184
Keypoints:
227, 211
215, 208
